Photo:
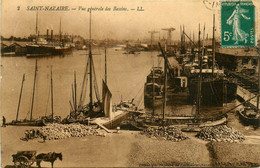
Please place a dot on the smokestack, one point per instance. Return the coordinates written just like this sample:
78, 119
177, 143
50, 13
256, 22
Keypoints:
38, 34
47, 35
51, 35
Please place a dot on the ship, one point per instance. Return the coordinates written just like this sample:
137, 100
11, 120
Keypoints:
42, 121
249, 116
191, 122
43, 47
216, 89
99, 111
153, 87
207, 83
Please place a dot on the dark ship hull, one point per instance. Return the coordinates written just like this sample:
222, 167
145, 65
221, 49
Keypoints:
214, 92
153, 88
39, 50
45, 50
34, 123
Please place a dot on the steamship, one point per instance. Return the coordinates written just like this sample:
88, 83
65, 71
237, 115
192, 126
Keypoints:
43, 47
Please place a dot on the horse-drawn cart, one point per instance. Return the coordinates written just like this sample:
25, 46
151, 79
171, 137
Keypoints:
24, 159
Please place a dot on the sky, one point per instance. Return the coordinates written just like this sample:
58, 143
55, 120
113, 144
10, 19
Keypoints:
16, 20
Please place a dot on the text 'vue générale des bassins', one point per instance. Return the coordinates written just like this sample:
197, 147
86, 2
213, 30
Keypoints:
81, 8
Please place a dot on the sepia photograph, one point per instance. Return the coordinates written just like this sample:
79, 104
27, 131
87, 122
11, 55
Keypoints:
130, 83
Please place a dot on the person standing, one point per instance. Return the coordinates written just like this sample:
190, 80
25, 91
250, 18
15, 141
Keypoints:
4, 120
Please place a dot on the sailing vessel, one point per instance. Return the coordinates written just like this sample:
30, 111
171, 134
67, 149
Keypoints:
40, 121
31, 121
98, 112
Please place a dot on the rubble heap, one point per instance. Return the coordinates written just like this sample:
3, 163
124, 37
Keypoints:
220, 133
167, 133
60, 131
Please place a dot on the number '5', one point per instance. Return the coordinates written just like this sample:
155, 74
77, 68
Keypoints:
226, 36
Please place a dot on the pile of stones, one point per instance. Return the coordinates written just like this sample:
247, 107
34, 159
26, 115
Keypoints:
167, 133
220, 133
61, 131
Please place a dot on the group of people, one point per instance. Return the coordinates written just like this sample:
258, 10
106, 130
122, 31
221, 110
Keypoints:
31, 134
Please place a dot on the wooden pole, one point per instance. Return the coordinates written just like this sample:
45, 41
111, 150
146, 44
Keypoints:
35, 72
36, 28
200, 76
90, 70
73, 99
51, 96
165, 78
257, 102
75, 91
213, 47
60, 33
153, 93
165, 82
106, 65
20, 98
71, 107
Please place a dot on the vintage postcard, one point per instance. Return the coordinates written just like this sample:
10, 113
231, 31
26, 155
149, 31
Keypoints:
130, 83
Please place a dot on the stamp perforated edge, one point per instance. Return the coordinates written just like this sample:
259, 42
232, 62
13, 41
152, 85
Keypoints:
256, 25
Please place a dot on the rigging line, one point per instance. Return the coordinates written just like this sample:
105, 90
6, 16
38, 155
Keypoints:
95, 82
73, 99
48, 99
140, 100
159, 61
139, 91
139, 82
27, 114
212, 87
141, 103
83, 84
84, 92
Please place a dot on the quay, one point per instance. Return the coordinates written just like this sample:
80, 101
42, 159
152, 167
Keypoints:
244, 95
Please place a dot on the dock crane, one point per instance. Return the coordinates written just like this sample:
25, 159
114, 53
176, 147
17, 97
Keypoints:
169, 37
152, 35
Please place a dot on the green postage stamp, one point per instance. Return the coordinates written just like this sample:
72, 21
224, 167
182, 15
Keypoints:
238, 24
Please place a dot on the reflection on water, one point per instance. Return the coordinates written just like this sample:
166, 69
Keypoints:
126, 78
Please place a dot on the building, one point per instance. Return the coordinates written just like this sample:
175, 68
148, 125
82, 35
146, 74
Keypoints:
11, 48
238, 59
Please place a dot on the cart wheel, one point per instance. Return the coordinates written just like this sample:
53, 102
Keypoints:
16, 164
23, 162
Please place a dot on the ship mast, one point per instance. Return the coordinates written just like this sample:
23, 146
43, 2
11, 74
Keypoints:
33, 89
36, 28
106, 64
90, 68
257, 105
213, 47
60, 31
51, 96
165, 82
20, 97
199, 81
165, 79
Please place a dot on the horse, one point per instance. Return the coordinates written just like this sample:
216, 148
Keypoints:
47, 157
